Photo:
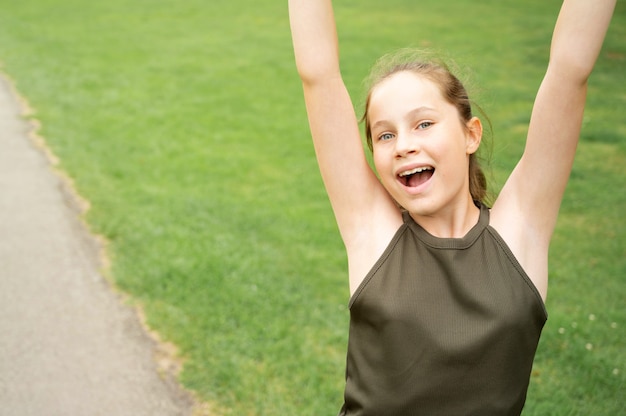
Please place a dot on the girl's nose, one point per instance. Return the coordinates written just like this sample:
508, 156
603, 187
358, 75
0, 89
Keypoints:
406, 145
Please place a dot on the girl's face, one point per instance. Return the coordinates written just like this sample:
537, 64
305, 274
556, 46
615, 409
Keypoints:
420, 145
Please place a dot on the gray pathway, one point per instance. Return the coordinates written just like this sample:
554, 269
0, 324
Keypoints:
68, 345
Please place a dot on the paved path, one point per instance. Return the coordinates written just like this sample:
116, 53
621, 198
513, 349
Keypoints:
68, 345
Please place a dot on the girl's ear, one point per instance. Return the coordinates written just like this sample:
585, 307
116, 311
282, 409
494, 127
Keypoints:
474, 135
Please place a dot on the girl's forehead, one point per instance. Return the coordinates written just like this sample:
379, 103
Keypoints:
405, 90
405, 83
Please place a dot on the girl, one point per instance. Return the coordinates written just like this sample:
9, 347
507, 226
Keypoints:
447, 295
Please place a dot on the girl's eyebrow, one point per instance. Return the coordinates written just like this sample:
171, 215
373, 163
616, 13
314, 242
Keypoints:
380, 123
409, 116
419, 111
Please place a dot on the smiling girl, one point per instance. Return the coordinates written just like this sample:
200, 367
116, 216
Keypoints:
447, 295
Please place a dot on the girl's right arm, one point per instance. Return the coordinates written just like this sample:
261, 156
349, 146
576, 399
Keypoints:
364, 211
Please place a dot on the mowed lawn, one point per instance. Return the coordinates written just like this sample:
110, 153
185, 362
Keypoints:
183, 124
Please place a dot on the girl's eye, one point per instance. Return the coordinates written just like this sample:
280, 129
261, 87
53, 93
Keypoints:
385, 136
424, 125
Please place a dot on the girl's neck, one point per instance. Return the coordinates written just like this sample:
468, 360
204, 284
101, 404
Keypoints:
450, 222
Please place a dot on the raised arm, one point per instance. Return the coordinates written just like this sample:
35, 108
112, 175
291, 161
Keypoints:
527, 208
352, 187
364, 211
314, 40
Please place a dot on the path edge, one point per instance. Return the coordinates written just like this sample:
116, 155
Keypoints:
166, 357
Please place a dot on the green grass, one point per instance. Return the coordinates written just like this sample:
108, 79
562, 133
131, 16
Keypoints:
183, 124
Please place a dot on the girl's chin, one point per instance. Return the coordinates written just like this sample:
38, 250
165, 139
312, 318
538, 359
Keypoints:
412, 198
420, 206
421, 209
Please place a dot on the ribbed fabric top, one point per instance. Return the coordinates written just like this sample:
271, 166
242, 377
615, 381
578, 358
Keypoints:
442, 326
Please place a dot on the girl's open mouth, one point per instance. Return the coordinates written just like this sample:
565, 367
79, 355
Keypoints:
416, 177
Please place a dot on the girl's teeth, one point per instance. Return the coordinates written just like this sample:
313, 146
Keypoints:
411, 172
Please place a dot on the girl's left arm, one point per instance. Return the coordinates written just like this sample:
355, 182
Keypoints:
528, 205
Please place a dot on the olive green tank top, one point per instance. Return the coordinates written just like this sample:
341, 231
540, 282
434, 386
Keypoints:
442, 326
